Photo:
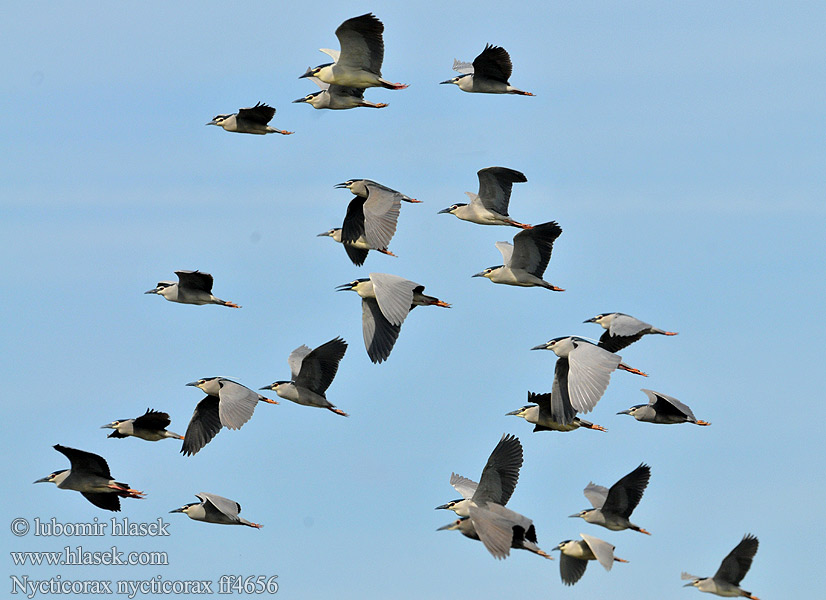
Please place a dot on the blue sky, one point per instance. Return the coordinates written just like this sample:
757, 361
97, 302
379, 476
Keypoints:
679, 145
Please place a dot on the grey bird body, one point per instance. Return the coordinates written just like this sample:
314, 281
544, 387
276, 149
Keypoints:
542, 415
358, 64
726, 581
581, 375
361, 188
490, 205
613, 507
386, 301
312, 373
215, 509
254, 120
337, 97
527, 259
89, 475
151, 426
488, 74
662, 409
575, 555
622, 330
227, 404
193, 287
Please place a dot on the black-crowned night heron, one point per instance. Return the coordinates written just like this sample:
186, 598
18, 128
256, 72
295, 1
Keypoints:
150, 426
490, 205
213, 508
360, 187
312, 373
90, 476
581, 375
369, 224
662, 409
386, 301
227, 404
337, 97
575, 555
193, 287
253, 120
527, 259
622, 330
358, 64
488, 74
726, 581
541, 414
523, 532
613, 507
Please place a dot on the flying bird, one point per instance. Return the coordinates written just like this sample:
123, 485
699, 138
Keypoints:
213, 508
358, 64
662, 409
89, 475
386, 301
613, 507
726, 581
193, 287
581, 375
253, 120
541, 414
488, 74
622, 330
359, 187
527, 259
337, 97
490, 205
227, 404
312, 373
150, 426
523, 532
575, 555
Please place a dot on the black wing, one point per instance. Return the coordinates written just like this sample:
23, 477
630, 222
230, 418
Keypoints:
571, 569
738, 562
493, 63
152, 419
85, 462
319, 367
260, 113
615, 343
353, 226
664, 407
380, 335
203, 426
195, 280
561, 409
103, 500
356, 255
625, 494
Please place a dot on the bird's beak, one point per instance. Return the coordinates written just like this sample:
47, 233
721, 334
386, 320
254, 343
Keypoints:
479, 274
624, 412
268, 387
43, 480
193, 384
443, 211
308, 73
155, 290
344, 287
591, 320
555, 548
540, 347
444, 527
326, 233
180, 510
689, 584
573, 516
107, 426
211, 123
448, 81
340, 185
300, 100
443, 506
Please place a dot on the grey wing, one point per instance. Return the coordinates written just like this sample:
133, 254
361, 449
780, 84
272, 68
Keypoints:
501, 473
195, 280
260, 113
533, 247
380, 335
316, 80
625, 325
462, 67
203, 426
596, 494
668, 405
738, 562
228, 508
625, 494
381, 213
561, 409
361, 42
236, 405
601, 549
319, 366
493, 63
83, 461
506, 249
495, 184
494, 525
394, 295
152, 419
589, 372
343, 91
571, 569
463, 485
296, 358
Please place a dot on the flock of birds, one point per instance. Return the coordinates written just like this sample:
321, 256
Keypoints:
581, 374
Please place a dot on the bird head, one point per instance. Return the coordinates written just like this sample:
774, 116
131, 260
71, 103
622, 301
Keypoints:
581, 513
520, 412
313, 71
560, 344
54, 477
160, 288
451, 526
450, 505
345, 184
603, 319
562, 545
219, 120
274, 385
487, 272
185, 508
631, 411
330, 232
451, 209
312, 98
352, 286
113, 424
454, 80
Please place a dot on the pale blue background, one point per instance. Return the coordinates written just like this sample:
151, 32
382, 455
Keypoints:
679, 145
